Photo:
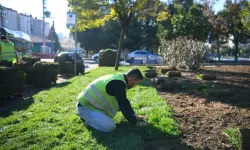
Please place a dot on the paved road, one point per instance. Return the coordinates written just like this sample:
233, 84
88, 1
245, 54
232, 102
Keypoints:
232, 59
89, 64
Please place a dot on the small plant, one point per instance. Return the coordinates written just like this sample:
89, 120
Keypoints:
234, 137
202, 87
199, 76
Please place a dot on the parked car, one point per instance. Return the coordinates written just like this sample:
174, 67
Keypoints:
71, 54
209, 57
140, 53
144, 55
95, 56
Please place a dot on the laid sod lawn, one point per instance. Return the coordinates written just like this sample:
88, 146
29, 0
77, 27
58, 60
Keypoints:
49, 121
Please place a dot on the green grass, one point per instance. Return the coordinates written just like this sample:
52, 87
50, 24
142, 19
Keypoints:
234, 137
199, 76
49, 120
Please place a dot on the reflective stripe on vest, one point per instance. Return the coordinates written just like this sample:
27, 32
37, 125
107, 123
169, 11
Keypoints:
7, 51
101, 98
7, 55
92, 100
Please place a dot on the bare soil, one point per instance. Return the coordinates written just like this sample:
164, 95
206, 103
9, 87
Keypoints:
203, 117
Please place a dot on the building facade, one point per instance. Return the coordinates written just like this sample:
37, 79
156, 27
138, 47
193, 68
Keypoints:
8, 18
25, 23
13, 20
38, 27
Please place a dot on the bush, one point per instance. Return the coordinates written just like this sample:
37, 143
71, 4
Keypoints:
63, 58
13, 81
66, 64
182, 52
107, 57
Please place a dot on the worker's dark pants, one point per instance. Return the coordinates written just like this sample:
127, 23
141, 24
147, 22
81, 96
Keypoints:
5, 63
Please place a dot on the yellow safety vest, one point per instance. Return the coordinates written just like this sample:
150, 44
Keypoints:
7, 52
95, 97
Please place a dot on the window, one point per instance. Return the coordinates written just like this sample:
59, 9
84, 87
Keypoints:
144, 53
137, 52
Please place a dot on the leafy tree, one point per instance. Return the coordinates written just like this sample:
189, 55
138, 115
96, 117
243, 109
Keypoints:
100, 38
140, 34
93, 14
219, 32
187, 19
54, 37
245, 15
193, 24
236, 18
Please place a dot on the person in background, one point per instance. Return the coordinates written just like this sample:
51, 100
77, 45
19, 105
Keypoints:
7, 52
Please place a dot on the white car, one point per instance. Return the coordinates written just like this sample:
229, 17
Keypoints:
144, 55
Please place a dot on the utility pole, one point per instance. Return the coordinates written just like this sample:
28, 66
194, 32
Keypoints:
44, 42
72, 21
75, 42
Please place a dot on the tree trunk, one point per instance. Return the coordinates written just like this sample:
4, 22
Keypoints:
218, 50
119, 48
86, 55
236, 41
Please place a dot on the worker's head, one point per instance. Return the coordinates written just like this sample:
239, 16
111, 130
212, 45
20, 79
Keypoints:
134, 76
4, 38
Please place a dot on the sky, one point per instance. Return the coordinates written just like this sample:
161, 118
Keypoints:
58, 9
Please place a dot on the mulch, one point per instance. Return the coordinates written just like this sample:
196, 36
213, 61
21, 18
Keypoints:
202, 117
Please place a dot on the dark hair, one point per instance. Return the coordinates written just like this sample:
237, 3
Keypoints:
3, 37
134, 72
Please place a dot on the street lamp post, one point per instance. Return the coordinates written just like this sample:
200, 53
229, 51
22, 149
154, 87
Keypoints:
72, 21
75, 44
44, 43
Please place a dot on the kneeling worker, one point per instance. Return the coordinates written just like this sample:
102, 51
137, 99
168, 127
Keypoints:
99, 102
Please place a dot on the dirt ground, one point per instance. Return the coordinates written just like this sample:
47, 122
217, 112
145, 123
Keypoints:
203, 117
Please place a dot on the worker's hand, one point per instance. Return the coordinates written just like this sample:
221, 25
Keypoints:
139, 118
141, 124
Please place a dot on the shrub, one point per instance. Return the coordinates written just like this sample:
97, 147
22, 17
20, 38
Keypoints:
182, 52
66, 64
107, 57
63, 58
